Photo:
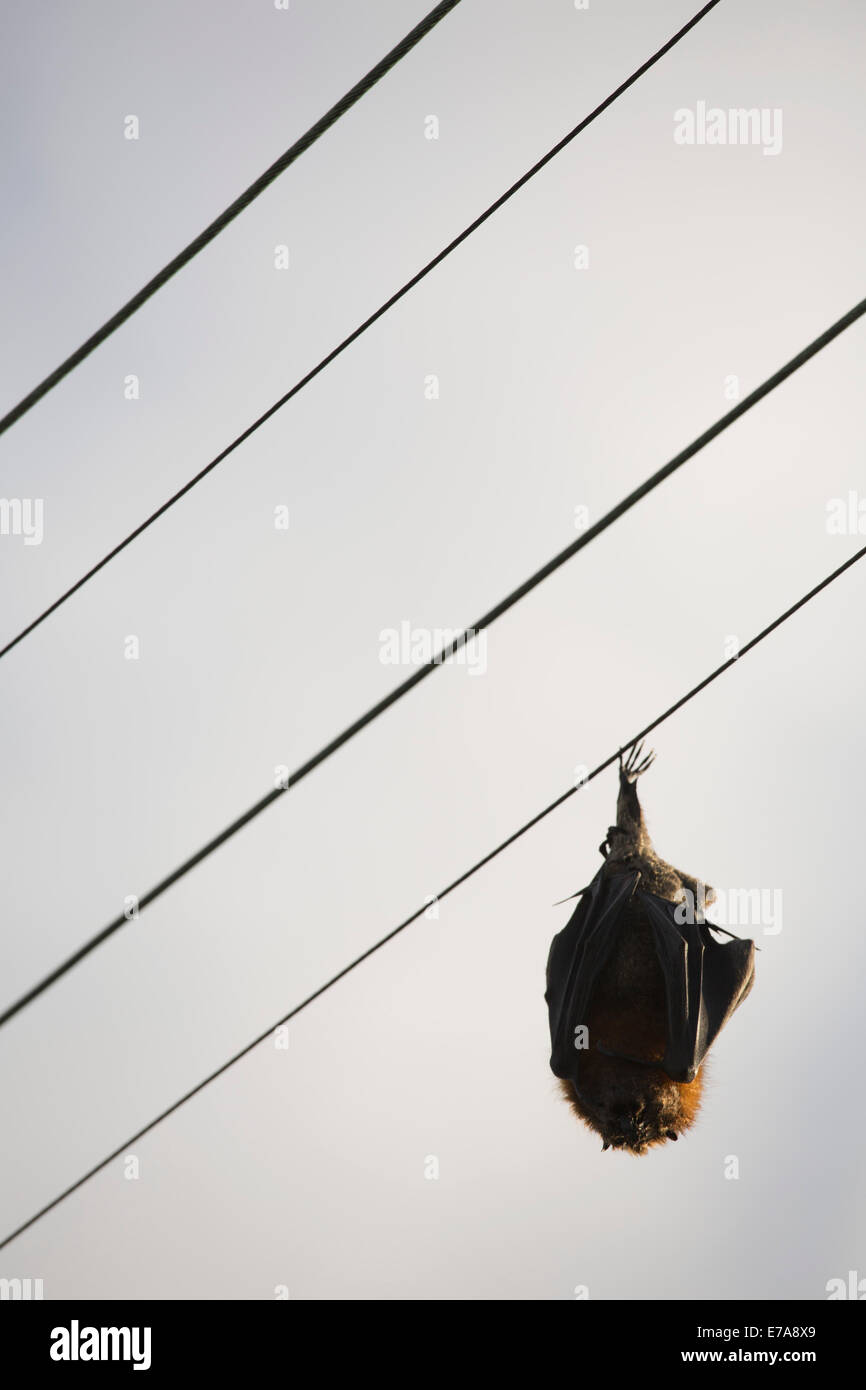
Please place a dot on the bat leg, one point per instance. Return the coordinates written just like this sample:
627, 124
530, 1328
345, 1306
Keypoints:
629, 816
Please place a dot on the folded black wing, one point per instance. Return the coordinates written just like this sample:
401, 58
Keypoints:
577, 956
705, 981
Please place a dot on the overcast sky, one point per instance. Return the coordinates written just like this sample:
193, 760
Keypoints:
559, 388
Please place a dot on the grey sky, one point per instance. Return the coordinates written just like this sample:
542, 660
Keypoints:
558, 388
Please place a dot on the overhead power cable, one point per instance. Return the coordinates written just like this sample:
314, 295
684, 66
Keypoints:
231, 212
447, 651
356, 333
443, 893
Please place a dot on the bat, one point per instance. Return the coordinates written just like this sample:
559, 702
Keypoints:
638, 989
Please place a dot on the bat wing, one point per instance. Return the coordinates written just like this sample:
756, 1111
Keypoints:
577, 956
704, 980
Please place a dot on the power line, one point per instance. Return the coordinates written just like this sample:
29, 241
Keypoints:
231, 212
419, 912
356, 333
447, 651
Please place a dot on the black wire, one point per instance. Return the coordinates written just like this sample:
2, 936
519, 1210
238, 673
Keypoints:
447, 651
419, 912
232, 211
362, 328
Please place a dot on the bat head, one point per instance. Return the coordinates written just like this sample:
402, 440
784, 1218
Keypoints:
632, 1107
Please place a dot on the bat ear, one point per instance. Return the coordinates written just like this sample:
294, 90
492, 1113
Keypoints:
671, 1135
605, 1146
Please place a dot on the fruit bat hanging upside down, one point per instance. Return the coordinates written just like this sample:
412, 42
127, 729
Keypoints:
637, 987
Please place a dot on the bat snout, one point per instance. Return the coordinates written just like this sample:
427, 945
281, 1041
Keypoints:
631, 1107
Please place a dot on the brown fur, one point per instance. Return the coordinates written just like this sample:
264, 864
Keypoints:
674, 1105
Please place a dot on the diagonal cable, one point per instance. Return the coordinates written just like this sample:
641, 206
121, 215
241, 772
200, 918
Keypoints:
231, 212
419, 912
449, 650
356, 333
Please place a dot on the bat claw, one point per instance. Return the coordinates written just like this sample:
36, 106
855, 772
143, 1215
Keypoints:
635, 765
